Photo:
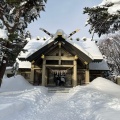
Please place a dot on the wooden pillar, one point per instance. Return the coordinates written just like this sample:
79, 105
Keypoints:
32, 74
3, 68
44, 73
46, 76
74, 73
59, 53
87, 75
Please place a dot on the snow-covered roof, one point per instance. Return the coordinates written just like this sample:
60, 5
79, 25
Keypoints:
3, 34
24, 64
32, 46
114, 8
79, 45
98, 65
88, 47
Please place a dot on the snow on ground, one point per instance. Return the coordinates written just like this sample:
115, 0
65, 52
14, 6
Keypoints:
100, 100
106, 86
15, 83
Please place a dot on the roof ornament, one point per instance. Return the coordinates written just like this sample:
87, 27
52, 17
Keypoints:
38, 38
78, 39
51, 35
73, 33
59, 33
44, 38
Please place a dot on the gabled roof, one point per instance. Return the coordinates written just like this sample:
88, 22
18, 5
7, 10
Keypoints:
85, 50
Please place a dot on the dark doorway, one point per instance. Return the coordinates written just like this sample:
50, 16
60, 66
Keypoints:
59, 77
37, 77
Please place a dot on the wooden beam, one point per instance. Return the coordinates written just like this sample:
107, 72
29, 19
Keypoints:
59, 65
59, 58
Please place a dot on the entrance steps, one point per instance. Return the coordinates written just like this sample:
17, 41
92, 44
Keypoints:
58, 90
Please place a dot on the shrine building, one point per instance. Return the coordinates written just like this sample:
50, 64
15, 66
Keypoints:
79, 62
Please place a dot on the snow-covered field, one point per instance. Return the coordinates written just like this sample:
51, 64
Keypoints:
100, 100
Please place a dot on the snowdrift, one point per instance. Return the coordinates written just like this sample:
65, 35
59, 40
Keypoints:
95, 101
100, 100
106, 86
15, 83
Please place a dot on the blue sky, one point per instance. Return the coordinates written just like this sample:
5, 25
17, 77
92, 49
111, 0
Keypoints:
63, 14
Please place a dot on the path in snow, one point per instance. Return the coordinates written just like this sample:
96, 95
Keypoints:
98, 101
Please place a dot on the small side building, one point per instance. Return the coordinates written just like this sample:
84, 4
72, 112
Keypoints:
79, 62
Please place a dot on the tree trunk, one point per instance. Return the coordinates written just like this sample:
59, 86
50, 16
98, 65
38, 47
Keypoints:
3, 68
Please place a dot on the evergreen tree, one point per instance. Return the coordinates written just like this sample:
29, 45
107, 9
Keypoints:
15, 15
101, 21
16, 45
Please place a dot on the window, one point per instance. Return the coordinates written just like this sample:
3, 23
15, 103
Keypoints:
57, 54
62, 54
52, 62
65, 62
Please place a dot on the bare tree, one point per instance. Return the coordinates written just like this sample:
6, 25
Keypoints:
110, 48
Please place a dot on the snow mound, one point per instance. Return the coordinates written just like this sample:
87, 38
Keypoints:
5, 77
83, 102
106, 86
15, 83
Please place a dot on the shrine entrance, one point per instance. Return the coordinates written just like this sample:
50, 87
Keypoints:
59, 77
